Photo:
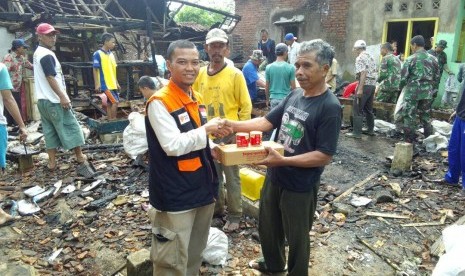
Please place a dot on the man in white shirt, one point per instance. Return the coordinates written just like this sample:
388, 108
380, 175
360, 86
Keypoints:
183, 183
60, 127
294, 47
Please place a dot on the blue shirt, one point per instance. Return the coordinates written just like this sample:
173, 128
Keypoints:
251, 77
5, 81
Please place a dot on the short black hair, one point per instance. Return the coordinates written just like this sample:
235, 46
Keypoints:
182, 44
146, 81
418, 40
387, 46
263, 31
106, 37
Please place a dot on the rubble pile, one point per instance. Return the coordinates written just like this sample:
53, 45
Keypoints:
368, 220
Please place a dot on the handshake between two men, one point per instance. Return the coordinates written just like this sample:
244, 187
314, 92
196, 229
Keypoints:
220, 128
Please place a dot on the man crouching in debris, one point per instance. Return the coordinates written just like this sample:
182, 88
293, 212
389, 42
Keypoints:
61, 129
183, 183
309, 119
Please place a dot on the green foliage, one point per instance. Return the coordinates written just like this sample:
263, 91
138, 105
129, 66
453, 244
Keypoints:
202, 17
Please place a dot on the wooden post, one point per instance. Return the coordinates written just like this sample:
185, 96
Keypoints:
403, 154
152, 44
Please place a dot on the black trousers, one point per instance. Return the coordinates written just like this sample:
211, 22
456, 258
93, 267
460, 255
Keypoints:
364, 105
286, 215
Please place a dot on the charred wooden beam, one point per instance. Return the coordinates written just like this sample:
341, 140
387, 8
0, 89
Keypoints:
59, 6
85, 7
103, 7
18, 7
152, 44
13, 16
76, 7
437, 114
151, 12
126, 26
121, 10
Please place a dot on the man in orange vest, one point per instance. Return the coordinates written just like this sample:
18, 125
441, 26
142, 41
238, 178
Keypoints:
183, 183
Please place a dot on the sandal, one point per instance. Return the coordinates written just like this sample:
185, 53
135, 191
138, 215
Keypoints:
82, 159
260, 265
50, 168
5, 218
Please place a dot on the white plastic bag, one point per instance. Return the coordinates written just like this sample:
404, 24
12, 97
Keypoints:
383, 126
442, 127
452, 85
451, 91
399, 106
134, 138
451, 263
435, 142
216, 251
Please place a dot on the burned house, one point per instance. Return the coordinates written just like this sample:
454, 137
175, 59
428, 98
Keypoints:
342, 22
142, 29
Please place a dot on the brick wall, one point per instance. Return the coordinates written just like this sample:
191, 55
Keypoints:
329, 14
334, 24
237, 46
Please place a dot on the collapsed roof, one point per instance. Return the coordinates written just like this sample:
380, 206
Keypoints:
106, 15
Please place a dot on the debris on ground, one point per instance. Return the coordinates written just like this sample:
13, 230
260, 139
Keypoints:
90, 218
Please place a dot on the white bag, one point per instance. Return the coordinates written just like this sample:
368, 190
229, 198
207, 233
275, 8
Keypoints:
452, 85
435, 142
451, 263
134, 138
216, 252
399, 106
383, 126
442, 127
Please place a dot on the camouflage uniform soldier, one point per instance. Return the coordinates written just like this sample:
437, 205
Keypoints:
389, 75
441, 56
420, 73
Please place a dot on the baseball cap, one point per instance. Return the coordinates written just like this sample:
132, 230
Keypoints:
216, 35
18, 43
281, 48
257, 55
442, 44
45, 28
360, 44
289, 36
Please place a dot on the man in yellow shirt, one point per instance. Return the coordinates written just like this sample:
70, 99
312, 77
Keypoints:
224, 92
104, 64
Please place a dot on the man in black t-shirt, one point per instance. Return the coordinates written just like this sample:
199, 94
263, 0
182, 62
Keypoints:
308, 119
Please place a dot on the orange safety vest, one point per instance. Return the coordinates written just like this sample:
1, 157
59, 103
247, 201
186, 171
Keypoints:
178, 183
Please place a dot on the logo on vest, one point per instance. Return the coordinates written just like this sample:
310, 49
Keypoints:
184, 118
203, 111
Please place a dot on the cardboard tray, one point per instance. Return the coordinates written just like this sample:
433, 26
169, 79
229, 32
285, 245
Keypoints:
232, 155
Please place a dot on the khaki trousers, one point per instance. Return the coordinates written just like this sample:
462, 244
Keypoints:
178, 240
233, 198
